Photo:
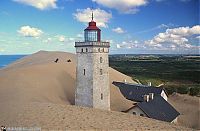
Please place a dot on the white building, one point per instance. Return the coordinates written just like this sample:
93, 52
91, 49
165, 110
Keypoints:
155, 107
151, 101
92, 72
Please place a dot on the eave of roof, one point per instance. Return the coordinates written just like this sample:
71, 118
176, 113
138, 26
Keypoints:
136, 92
159, 109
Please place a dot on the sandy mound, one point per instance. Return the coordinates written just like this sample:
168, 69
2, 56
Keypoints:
37, 78
189, 107
61, 117
35, 91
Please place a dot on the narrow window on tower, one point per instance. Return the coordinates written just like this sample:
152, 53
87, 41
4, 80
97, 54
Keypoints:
83, 71
86, 50
101, 96
101, 60
99, 50
101, 71
82, 50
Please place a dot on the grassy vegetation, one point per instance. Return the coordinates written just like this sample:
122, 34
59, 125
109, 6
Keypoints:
175, 73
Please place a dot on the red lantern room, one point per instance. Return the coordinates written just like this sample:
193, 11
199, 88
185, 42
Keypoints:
92, 33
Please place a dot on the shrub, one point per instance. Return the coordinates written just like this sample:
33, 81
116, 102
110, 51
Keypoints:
194, 91
170, 90
183, 90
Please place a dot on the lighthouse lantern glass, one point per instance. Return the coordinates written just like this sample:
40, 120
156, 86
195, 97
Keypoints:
91, 35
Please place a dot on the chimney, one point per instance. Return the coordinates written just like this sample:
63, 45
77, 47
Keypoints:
146, 98
151, 95
149, 83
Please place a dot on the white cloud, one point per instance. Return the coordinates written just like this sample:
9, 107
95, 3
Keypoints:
48, 40
118, 30
39, 4
61, 38
123, 6
118, 46
159, 0
161, 26
2, 50
100, 16
80, 35
174, 38
129, 44
110, 40
177, 40
28, 31
184, 31
184, 0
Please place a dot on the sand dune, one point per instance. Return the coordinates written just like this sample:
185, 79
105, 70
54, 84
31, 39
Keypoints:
35, 91
189, 108
60, 117
37, 78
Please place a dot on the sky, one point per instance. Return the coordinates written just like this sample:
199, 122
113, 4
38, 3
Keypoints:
131, 26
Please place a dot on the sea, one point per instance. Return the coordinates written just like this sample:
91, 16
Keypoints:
8, 59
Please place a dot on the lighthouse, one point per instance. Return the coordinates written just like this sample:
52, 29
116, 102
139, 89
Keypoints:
92, 71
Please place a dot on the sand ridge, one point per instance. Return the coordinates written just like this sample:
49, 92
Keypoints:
30, 85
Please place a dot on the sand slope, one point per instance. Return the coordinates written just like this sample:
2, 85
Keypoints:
35, 91
60, 117
189, 108
37, 78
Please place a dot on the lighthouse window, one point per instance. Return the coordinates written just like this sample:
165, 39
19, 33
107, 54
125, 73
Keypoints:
91, 35
101, 71
101, 59
101, 96
83, 71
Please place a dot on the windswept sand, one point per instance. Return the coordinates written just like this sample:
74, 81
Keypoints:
35, 91
189, 108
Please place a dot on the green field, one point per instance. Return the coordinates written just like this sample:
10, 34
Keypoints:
175, 73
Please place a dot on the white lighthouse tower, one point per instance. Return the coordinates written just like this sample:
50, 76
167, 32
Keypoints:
92, 72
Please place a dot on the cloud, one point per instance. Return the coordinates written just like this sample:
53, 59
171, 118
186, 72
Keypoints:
2, 50
129, 44
28, 31
80, 35
184, 31
161, 26
123, 6
48, 40
100, 16
61, 38
39, 4
174, 38
185, 0
159, 0
118, 30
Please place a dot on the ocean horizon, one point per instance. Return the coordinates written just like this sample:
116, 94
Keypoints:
8, 59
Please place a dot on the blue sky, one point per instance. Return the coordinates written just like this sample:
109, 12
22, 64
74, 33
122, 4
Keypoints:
131, 26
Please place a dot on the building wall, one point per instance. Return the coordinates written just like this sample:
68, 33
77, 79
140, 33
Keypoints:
163, 94
92, 89
137, 111
175, 120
